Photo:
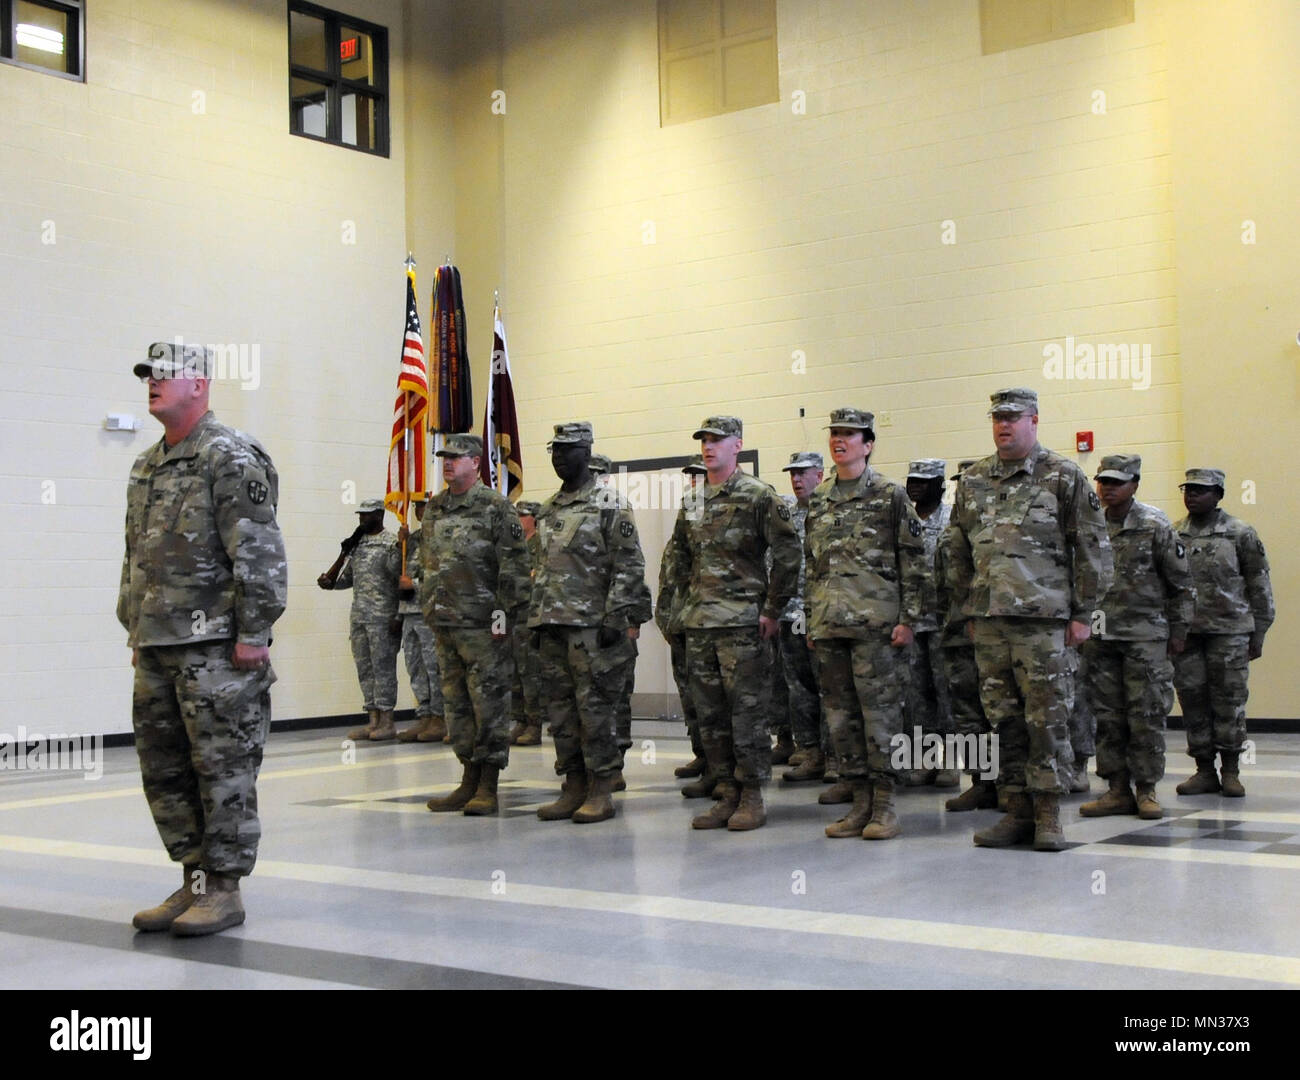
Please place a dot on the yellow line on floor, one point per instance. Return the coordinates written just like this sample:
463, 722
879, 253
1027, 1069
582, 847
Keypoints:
1218, 963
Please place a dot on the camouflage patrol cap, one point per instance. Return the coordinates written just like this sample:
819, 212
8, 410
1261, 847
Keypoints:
172, 360
962, 466
461, 445
859, 419
720, 425
1121, 467
527, 508
695, 465
1015, 399
574, 433
369, 505
1205, 478
804, 459
929, 468
600, 465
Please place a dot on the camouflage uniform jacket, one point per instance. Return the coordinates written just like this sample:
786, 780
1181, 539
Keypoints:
204, 556
591, 571
799, 519
473, 558
951, 620
1030, 541
932, 528
719, 547
866, 557
371, 573
1230, 572
1152, 596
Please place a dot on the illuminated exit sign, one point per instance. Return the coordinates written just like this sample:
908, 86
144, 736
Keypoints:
350, 49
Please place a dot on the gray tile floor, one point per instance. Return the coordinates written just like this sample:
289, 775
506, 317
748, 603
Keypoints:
359, 886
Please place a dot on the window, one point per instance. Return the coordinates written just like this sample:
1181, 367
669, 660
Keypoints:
44, 35
1012, 24
338, 78
715, 56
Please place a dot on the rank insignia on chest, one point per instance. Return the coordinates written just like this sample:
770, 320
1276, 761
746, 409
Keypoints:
1179, 550
1093, 501
625, 529
516, 530
783, 511
914, 527
257, 492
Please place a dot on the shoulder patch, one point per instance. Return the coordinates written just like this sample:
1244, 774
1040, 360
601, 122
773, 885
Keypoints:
625, 529
257, 492
1179, 549
516, 530
914, 526
783, 511
1093, 501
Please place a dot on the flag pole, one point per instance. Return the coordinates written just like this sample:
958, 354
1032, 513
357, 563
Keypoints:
406, 432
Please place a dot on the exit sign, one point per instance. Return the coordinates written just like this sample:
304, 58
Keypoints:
350, 49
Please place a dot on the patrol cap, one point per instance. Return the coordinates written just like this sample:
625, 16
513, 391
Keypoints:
720, 425
804, 459
527, 508
368, 505
600, 465
927, 468
1015, 399
1205, 478
695, 465
853, 418
574, 433
172, 360
1121, 467
962, 466
461, 445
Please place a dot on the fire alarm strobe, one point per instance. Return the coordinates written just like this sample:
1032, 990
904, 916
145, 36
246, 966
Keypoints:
1083, 441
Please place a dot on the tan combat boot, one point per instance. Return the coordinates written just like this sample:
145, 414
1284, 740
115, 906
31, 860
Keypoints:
693, 768
413, 732
598, 805
981, 795
460, 796
701, 788
1117, 800
797, 758
362, 734
884, 822
852, 823
812, 767
1016, 826
161, 917
839, 792
617, 781
573, 793
1079, 783
717, 816
217, 908
435, 732
750, 812
1205, 781
517, 729
1147, 807
783, 749
384, 728
1232, 788
484, 801
1048, 835
531, 736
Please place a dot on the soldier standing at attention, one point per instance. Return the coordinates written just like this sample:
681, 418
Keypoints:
1030, 561
526, 693
476, 587
1234, 609
586, 601
203, 580
866, 582
417, 641
731, 613
1145, 616
374, 630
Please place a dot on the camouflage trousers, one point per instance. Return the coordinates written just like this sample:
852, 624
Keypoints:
1027, 694
526, 688
625, 679
964, 692
928, 705
778, 694
1083, 722
677, 654
422, 665
476, 670
200, 725
730, 683
1210, 675
863, 685
581, 683
803, 695
374, 651
1131, 686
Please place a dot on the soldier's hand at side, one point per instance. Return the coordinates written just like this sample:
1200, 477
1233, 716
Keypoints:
768, 628
250, 657
395, 626
536, 639
403, 534
135, 657
1255, 651
901, 637
970, 630
811, 644
325, 581
1076, 633
633, 632
405, 582
499, 635
1177, 645
607, 636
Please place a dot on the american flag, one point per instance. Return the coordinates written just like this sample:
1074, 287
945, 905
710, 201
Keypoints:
406, 462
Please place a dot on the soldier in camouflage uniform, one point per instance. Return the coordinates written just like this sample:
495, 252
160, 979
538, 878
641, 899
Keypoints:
417, 641
526, 694
866, 584
374, 630
1030, 560
1144, 620
963, 675
928, 707
203, 580
588, 595
1234, 609
476, 591
731, 611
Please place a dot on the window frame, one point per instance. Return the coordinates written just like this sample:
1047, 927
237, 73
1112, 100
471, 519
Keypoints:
75, 10
335, 83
